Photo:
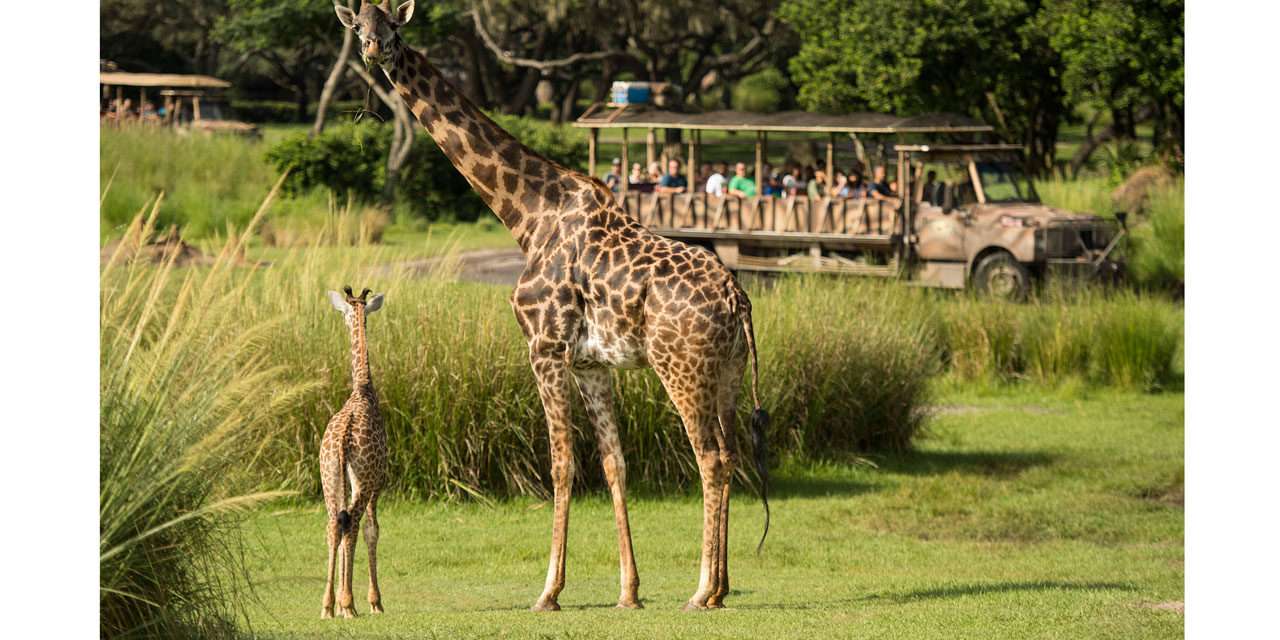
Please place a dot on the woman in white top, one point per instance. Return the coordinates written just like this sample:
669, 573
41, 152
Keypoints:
716, 183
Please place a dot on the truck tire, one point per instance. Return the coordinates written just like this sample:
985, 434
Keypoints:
1000, 276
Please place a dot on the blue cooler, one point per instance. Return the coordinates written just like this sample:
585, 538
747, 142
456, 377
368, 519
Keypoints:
631, 93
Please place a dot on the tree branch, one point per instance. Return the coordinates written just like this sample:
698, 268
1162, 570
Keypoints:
541, 65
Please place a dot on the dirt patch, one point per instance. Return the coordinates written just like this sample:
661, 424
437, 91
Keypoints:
1172, 605
490, 266
157, 250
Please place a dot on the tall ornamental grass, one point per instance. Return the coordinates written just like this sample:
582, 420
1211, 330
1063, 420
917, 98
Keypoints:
188, 395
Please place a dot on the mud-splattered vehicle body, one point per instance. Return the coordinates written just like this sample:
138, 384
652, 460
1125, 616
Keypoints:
980, 223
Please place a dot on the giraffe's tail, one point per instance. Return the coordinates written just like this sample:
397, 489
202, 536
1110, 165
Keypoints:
759, 417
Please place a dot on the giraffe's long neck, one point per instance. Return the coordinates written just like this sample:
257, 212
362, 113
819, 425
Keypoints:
361, 380
523, 188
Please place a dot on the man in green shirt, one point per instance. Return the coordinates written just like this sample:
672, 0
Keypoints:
741, 185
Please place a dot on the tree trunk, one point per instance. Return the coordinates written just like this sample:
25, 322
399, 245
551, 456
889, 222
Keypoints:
335, 76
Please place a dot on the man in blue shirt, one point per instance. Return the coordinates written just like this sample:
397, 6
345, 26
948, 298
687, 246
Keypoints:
672, 181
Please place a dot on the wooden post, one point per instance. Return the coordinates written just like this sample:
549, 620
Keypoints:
119, 103
663, 155
626, 166
692, 170
142, 101
650, 151
904, 172
831, 160
592, 141
760, 143
195, 109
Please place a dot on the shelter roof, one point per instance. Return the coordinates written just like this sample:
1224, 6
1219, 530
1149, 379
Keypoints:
175, 80
801, 121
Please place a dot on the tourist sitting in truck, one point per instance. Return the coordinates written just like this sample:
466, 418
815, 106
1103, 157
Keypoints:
613, 179
716, 182
816, 186
857, 187
932, 190
672, 181
654, 175
741, 185
879, 187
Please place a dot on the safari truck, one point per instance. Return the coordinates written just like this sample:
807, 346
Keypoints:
978, 224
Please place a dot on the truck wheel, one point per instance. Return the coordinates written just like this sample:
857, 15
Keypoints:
1000, 276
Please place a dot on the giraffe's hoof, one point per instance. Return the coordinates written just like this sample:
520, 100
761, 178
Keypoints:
348, 612
545, 604
694, 605
630, 603
375, 607
326, 613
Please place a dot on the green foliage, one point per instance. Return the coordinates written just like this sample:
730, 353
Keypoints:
930, 55
761, 92
184, 387
351, 159
1120, 55
1159, 241
1123, 340
209, 182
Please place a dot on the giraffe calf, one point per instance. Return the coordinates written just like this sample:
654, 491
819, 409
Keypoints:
354, 451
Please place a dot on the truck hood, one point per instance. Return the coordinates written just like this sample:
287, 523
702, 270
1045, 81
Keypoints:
1038, 214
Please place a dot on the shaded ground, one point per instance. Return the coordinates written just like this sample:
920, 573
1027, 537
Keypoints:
1023, 517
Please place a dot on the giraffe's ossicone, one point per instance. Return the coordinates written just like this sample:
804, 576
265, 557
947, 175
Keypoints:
353, 464
598, 292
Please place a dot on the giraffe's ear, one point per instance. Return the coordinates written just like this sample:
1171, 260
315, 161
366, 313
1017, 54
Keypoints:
345, 15
374, 304
404, 12
339, 301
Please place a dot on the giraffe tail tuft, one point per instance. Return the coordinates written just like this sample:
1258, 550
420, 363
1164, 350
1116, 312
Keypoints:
741, 305
760, 448
344, 522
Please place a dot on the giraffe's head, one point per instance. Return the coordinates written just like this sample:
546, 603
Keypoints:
377, 26
355, 307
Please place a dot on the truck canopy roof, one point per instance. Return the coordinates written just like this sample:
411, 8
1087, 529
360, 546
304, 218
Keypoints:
800, 121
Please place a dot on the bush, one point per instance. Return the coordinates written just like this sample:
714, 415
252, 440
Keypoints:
760, 92
1120, 339
185, 390
351, 159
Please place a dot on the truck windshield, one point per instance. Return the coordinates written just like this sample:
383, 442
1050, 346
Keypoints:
1006, 182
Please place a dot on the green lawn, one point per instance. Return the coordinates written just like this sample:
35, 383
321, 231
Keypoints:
1021, 515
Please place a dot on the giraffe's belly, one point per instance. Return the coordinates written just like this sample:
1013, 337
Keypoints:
598, 345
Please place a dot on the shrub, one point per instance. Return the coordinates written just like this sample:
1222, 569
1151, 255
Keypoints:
351, 159
185, 390
760, 92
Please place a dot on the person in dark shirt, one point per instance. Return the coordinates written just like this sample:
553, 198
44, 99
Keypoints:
879, 187
613, 179
672, 181
932, 189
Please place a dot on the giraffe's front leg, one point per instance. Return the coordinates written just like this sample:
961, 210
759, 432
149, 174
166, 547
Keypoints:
596, 387
551, 371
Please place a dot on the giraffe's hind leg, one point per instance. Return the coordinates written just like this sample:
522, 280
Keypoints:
596, 387
346, 602
728, 422
694, 393
331, 533
371, 540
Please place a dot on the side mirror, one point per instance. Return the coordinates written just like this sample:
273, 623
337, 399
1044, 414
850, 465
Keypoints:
1123, 218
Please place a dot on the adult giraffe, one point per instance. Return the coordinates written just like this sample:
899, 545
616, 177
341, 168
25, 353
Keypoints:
599, 291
